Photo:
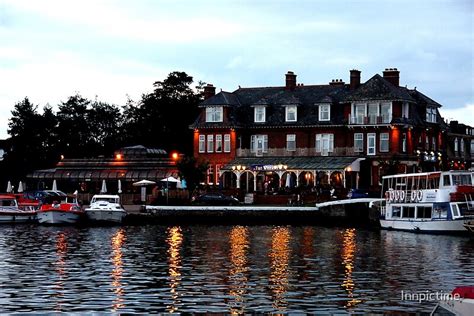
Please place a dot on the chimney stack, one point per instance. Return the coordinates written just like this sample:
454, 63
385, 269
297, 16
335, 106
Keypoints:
392, 75
336, 82
209, 91
355, 79
290, 80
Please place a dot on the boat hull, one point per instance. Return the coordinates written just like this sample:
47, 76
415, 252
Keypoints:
56, 217
426, 226
17, 217
106, 216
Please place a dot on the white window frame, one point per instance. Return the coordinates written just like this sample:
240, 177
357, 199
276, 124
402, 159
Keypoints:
461, 145
406, 110
433, 143
210, 143
359, 117
259, 139
372, 117
386, 120
371, 150
291, 142
202, 144
384, 140
214, 114
359, 137
218, 143
324, 144
325, 112
227, 143
456, 145
472, 146
431, 115
404, 142
288, 110
259, 114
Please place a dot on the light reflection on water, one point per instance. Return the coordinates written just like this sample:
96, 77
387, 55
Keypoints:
227, 269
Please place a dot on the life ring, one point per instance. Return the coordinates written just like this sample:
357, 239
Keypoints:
402, 196
413, 195
419, 195
397, 196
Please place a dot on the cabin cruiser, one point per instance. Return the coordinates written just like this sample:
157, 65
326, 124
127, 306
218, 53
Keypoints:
105, 208
460, 302
62, 209
431, 202
11, 213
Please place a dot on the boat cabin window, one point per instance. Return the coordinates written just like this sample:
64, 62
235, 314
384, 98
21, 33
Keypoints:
464, 209
423, 212
446, 180
440, 211
7, 203
396, 211
455, 210
462, 179
408, 212
109, 200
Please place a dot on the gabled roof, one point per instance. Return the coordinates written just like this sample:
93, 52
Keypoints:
222, 98
423, 99
377, 88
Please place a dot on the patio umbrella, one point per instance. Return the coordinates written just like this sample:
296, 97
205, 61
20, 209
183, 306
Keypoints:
119, 186
20, 187
55, 186
170, 179
104, 187
179, 184
9, 187
288, 180
143, 183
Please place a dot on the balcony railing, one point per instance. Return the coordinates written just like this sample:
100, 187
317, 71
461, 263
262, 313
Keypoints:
299, 152
369, 120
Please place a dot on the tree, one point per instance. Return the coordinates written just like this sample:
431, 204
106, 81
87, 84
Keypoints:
104, 120
192, 171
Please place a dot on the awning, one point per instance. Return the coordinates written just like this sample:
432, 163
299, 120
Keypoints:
319, 163
103, 174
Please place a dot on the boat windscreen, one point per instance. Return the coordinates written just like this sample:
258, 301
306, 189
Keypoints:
462, 179
8, 202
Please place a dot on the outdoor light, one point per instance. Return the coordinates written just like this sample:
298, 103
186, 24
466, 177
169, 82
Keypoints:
174, 155
62, 157
239, 167
118, 156
418, 152
349, 169
233, 167
243, 167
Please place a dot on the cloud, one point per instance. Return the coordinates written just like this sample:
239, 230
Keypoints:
463, 114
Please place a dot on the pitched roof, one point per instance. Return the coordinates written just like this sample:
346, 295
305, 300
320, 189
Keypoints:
222, 98
377, 88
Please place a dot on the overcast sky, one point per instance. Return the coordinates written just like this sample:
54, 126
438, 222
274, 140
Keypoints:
51, 49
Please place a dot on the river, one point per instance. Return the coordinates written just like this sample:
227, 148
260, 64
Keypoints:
231, 269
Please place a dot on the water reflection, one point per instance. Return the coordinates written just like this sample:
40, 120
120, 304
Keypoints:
118, 240
348, 254
238, 279
174, 240
60, 268
279, 261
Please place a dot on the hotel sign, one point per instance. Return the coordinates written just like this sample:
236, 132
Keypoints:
268, 167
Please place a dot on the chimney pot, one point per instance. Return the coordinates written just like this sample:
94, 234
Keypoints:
392, 75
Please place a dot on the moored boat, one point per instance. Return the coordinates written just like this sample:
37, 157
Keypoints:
431, 202
11, 213
66, 211
105, 209
460, 302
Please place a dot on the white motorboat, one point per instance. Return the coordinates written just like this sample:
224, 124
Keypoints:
105, 208
431, 202
11, 213
460, 302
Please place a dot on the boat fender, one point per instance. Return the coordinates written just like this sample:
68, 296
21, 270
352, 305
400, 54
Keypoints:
419, 195
397, 195
413, 195
402, 196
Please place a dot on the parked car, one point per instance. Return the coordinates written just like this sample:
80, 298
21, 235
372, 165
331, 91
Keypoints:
357, 194
214, 199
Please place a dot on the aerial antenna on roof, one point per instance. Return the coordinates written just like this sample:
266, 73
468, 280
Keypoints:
415, 88
221, 89
239, 86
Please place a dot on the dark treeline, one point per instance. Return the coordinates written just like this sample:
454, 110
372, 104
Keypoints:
88, 128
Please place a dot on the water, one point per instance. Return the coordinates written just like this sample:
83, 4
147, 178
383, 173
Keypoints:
225, 269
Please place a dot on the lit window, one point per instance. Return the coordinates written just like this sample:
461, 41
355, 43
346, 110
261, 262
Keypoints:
371, 147
218, 143
404, 142
259, 143
214, 114
290, 113
291, 142
324, 143
202, 143
324, 112
358, 142
259, 114
210, 143
227, 143
384, 142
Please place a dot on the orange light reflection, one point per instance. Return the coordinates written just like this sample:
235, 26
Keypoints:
239, 245
174, 240
117, 241
60, 265
279, 261
348, 254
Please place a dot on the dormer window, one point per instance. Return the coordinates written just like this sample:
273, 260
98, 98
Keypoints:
259, 114
290, 113
324, 112
214, 114
431, 115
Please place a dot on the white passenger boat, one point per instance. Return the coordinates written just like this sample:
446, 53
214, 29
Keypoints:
431, 202
458, 303
11, 213
105, 208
